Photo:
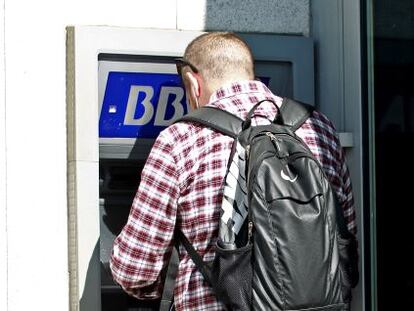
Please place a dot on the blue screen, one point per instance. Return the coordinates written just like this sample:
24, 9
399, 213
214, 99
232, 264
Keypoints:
141, 105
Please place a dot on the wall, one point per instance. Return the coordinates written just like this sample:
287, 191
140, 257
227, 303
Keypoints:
3, 212
272, 16
36, 139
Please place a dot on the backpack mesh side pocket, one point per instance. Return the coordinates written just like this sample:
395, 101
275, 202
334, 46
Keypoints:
232, 274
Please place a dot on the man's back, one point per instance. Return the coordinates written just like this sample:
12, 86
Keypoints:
182, 183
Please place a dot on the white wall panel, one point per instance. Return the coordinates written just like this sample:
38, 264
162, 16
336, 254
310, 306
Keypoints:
3, 206
36, 138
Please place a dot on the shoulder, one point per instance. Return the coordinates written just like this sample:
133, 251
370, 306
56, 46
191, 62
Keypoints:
181, 138
319, 133
179, 132
322, 125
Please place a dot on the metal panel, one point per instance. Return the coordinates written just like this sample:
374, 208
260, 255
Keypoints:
295, 50
336, 30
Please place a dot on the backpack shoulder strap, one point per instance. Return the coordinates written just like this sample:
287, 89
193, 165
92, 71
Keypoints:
295, 113
216, 119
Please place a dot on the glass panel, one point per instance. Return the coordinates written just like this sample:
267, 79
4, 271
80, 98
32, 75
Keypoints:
394, 133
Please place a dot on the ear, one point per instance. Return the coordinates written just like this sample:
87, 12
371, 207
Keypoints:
193, 83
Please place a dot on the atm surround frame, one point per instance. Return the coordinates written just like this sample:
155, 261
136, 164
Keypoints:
83, 45
282, 49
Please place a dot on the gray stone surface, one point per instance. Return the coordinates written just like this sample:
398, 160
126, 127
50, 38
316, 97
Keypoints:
267, 16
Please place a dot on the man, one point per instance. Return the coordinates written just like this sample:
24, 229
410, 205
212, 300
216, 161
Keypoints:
181, 184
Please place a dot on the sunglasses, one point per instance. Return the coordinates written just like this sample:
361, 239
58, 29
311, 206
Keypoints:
181, 62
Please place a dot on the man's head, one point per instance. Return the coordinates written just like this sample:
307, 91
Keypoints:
214, 59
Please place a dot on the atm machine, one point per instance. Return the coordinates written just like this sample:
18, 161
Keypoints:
139, 96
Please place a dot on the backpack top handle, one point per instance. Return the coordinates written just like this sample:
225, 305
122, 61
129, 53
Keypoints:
248, 121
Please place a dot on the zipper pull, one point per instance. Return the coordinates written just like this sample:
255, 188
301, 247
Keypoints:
282, 153
274, 139
249, 231
247, 152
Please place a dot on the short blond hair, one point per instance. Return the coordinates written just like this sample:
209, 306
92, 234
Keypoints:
218, 55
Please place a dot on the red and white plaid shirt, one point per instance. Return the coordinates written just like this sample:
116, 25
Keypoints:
181, 185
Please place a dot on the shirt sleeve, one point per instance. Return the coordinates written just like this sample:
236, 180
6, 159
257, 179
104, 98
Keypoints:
141, 251
347, 197
325, 144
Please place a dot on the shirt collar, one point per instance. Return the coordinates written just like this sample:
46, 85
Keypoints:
239, 87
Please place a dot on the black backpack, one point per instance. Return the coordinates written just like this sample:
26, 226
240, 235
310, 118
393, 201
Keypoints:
283, 243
